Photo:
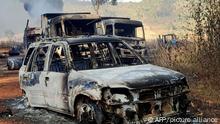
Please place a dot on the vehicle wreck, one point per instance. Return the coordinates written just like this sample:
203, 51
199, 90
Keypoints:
79, 24
90, 79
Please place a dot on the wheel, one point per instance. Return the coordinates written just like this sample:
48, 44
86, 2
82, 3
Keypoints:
26, 102
9, 65
88, 112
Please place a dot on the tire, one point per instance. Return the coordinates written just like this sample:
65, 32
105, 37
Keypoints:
26, 102
88, 112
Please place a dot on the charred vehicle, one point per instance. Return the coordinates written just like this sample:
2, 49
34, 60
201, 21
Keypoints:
68, 24
15, 58
131, 31
167, 40
14, 51
88, 78
31, 35
14, 63
77, 24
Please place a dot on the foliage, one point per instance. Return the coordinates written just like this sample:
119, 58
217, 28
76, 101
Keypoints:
200, 58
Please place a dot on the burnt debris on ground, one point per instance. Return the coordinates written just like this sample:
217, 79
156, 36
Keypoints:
16, 110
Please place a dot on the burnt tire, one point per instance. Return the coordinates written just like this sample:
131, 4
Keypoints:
88, 112
9, 65
26, 102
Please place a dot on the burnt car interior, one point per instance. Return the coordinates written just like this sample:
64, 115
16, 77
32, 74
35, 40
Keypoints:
28, 55
75, 28
97, 55
109, 29
38, 60
58, 29
58, 60
78, 27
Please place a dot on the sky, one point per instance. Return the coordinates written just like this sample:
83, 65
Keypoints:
14, 17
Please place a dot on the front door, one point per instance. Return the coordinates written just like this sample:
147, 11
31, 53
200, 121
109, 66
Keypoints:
55, 80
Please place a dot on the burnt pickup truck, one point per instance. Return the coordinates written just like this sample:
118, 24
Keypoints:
88, 78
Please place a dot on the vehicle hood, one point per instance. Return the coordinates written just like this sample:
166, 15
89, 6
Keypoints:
134, 77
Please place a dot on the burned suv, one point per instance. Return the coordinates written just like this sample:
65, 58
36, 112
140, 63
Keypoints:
89, 79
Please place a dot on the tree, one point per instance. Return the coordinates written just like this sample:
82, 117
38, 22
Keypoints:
97, 3
206, 14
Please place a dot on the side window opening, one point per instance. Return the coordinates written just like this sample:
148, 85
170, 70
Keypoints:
81, 56
99, 29
92, 56
103, 55
28, 55
58, 61
139, 32
124, 30
122, 58
59, 29
37, 61
79, 27
109, 30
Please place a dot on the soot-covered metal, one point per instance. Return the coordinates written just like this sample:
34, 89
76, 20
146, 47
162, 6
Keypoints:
88, 78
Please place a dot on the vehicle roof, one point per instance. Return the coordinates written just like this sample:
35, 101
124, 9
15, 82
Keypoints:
95, 38
94, 19
77, 40
53, 15
57, 17
124, 21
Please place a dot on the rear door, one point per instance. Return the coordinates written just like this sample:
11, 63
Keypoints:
23, 68
33, 77
56, 78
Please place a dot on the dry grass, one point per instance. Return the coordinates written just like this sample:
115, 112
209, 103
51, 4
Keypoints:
202, 71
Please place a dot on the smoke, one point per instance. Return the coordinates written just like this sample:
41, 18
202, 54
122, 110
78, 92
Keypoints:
37, 7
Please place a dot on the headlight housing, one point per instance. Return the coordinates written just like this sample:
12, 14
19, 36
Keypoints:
119, 98
116, 95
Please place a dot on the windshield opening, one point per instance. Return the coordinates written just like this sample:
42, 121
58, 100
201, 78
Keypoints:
78, 27
129, 30
96, 55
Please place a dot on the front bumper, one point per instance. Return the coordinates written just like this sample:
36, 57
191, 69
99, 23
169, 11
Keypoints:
150, 111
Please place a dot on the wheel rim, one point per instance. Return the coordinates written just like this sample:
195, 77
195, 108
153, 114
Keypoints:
85, 113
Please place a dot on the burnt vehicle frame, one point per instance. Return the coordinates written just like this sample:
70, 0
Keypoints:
84, 23
123, 93
130, 31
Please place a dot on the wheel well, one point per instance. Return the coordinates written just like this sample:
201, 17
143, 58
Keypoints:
78, 98
23, 92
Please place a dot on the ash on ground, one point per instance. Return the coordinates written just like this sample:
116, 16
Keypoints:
16, 111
